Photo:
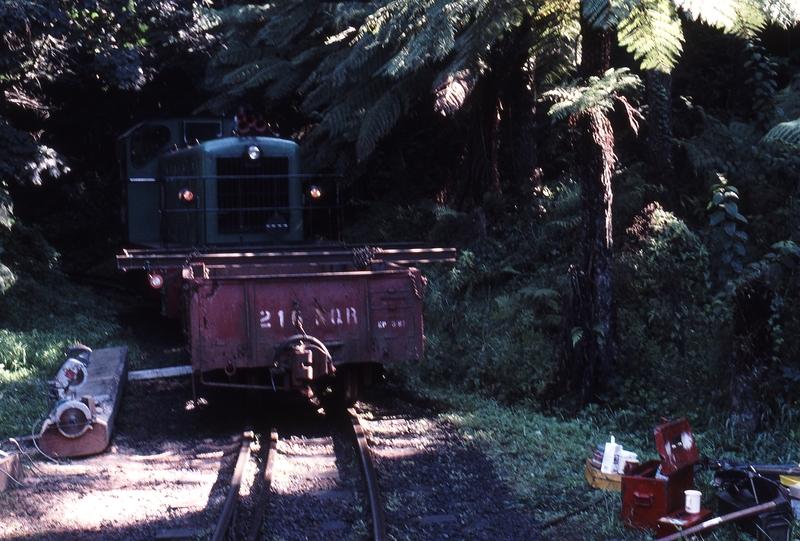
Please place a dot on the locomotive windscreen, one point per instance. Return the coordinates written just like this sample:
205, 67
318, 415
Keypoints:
251, 194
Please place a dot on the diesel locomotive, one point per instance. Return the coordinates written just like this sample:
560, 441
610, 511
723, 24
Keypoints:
247, 251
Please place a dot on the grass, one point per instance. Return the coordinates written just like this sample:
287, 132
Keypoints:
39, 320
542, 458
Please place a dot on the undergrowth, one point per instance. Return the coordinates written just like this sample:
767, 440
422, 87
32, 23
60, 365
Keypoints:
40, 318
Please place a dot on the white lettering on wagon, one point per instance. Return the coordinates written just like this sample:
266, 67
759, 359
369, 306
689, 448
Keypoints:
392, 324
267, 318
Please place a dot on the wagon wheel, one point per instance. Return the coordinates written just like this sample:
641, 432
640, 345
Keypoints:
346, 389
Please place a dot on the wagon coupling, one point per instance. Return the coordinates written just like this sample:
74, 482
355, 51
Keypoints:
309, 359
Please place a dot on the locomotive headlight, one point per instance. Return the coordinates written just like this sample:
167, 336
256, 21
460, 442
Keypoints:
315, 192
186, 195
156, 280
253, 152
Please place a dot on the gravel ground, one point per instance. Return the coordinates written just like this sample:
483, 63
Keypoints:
434, 483
167, 470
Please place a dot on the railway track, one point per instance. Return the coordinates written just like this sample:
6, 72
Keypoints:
316, 486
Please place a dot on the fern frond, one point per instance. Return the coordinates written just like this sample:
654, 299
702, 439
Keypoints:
607, 13
377, 123
350, 67
556, 33
275, 70
384, 114
284, 86
430, 39
288, 23
237, 54
653, 34
786, 133
452, 91
784, 13
719, 14
241, 74
344, 117
750, 19
492, 22
244, 15
597, 95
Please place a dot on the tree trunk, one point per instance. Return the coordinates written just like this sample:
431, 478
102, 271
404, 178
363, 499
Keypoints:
660, 167
591, 364
751, 346
477, 170
519, 136
586, 361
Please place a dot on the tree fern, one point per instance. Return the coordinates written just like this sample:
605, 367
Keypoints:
381, 118
290, 22
555, 37
785, 13
652, 32
598, 94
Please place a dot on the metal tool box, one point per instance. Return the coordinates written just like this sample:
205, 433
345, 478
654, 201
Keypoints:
655, 489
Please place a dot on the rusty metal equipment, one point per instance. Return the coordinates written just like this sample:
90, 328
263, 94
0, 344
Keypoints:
655, 489
313, 321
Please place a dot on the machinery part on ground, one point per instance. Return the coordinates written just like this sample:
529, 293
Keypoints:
73, 374
72, 418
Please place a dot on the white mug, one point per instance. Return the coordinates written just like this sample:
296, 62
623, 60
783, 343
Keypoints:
693, 501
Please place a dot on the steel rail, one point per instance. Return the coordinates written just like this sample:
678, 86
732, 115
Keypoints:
370, 478
263, 496
221, 530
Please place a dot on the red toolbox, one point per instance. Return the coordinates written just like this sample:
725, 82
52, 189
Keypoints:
656, 488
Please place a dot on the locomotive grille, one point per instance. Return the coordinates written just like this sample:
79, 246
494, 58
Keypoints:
251, 193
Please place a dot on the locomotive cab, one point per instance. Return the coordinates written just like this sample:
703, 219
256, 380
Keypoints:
198, 183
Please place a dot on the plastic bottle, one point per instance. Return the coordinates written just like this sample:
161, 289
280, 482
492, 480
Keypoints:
611, 457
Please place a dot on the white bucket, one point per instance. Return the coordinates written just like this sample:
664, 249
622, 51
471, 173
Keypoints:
693, 501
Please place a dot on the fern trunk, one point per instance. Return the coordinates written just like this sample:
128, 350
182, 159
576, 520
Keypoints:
477, 172
660, 167
590, 361
751, 346
520, 115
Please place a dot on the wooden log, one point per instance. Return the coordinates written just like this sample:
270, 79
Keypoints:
10, 471
107, 373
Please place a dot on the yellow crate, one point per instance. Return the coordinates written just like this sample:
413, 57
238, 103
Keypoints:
789, 480
598, 479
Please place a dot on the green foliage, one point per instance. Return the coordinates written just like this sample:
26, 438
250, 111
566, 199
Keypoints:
605, 13
652, 32
39, 320
492, 319
26, 250
727, 238
780, 269
599, 94
785, 133
762, 84
667, 316
730, 150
